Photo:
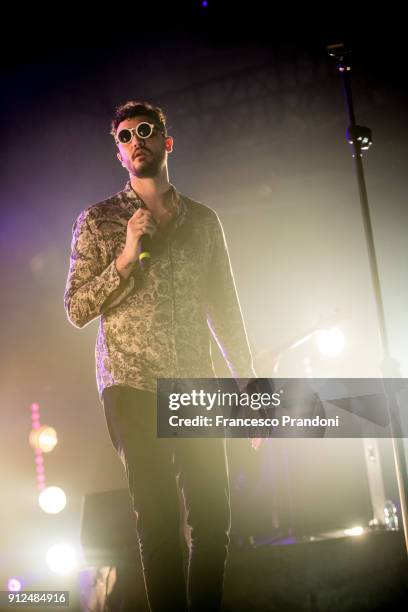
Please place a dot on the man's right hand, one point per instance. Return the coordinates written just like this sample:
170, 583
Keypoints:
142, 222
256, 443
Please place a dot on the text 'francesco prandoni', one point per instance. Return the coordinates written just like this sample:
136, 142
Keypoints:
219, 400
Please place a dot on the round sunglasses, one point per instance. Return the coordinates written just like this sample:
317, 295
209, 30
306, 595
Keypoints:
142, 130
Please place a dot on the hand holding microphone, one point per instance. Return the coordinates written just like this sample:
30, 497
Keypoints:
140, 228
148, 228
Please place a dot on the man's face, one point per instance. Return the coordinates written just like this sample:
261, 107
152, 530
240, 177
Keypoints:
144, 157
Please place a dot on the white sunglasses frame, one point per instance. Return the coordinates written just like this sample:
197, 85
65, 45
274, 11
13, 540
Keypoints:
134, 132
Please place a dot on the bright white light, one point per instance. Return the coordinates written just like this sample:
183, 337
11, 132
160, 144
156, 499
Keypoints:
14, 585
330, 342
52, 500
354, 531
44, 438
61, 558
47, 440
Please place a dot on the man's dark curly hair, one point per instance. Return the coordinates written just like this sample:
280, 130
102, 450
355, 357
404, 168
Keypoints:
134, 108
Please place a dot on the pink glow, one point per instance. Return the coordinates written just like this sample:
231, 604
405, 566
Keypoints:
36, 425
14, 584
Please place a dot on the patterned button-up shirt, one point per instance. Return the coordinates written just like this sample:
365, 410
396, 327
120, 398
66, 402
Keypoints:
156, 323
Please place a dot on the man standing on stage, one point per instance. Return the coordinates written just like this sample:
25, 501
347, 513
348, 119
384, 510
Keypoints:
155, 322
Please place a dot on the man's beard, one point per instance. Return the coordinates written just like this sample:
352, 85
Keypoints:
149, 168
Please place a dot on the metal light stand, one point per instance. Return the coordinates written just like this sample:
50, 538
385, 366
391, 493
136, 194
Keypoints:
360, 139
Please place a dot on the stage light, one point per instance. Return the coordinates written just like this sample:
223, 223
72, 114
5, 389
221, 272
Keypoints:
330, 342
35, 408
47, 439
391, 516
14, 585
52, 500
61, 558
354, 531
44, 438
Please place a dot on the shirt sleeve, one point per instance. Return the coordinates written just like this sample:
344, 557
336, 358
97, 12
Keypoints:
224, 315
93, 284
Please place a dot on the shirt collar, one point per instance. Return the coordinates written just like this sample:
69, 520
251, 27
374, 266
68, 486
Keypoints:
131, 201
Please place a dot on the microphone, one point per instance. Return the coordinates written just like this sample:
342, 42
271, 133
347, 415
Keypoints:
144, 249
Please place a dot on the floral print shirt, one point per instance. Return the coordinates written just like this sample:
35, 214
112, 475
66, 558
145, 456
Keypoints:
157, 323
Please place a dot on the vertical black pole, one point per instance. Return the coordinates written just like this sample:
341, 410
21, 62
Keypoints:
360, 139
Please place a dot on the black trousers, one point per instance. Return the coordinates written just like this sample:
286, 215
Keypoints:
155, 467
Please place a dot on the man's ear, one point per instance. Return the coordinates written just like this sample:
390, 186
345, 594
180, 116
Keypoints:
120, 159
169, 144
